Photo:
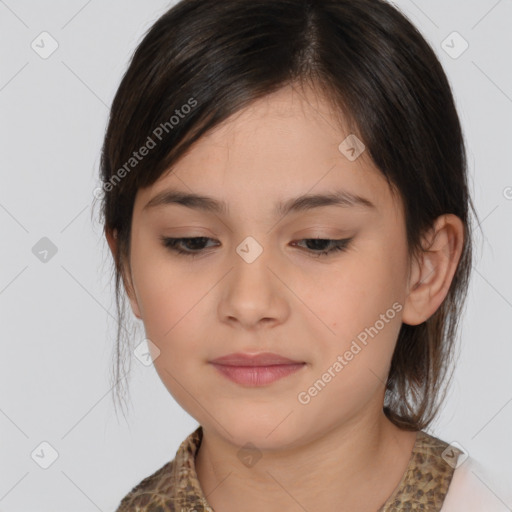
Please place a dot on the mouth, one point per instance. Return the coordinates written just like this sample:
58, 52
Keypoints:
260, 359
257, 375
254, 370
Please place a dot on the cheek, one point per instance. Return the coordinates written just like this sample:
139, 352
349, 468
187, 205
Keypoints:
353, 294
360, 301
172, 305
351, 363
168, 296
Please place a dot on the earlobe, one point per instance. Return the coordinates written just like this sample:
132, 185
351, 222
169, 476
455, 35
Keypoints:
132, 297
111, 237
111, 240
432, 272
135, 306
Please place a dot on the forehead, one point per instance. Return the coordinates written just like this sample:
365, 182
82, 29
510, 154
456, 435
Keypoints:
284, 145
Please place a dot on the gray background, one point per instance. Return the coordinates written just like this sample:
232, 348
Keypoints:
57, 317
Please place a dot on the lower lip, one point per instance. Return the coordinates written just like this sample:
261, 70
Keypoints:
257, 375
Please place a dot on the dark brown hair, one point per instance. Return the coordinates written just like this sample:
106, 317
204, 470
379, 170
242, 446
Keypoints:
204, 60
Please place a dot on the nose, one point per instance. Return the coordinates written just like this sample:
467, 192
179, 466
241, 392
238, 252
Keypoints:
253, 295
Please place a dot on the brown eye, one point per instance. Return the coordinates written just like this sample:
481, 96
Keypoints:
196, 245
193, 246
325, 246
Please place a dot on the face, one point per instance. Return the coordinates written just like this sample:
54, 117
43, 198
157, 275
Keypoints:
256, 280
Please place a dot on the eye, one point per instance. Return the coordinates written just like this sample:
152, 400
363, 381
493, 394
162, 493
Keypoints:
195, 245
320, 245
175, 244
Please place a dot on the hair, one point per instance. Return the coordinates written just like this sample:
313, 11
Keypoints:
203, 61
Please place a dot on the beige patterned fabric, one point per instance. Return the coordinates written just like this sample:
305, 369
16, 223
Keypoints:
175, 486
426, 480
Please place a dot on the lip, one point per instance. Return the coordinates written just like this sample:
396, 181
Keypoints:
254, 370
261, 359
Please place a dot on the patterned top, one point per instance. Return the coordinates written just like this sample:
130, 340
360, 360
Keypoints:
175, 486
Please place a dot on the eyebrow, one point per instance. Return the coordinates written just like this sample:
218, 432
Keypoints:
340, 198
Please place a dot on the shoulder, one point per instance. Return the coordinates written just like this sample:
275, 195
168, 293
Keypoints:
149, 491
475, 489
172, 487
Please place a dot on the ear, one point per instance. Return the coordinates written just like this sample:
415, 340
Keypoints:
432, 272
111, 237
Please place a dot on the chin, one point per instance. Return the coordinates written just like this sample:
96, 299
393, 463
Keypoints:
271, 431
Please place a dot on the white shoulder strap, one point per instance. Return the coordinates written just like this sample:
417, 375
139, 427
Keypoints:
473, 490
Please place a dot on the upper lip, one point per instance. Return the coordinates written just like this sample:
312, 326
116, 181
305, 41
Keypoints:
246, 359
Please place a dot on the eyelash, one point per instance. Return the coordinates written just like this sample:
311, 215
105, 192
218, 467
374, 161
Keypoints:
338, 245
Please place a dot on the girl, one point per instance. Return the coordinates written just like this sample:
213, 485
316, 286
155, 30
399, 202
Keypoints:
287, 206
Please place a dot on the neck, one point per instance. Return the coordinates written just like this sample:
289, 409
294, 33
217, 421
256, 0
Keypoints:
354, 466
